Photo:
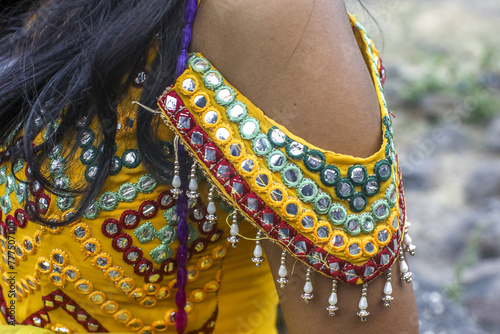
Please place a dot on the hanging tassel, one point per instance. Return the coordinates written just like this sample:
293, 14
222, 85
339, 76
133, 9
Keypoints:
257, 252
193, 193
403, 267
176, 181
234, 231
307, 295
332, 300
283, 272
410, 247
363, 304
211, 208
388, 290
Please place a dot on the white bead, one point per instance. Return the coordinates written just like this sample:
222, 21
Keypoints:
176, 181
193, 185
211, 208
407, 239
308, 287
235, 230
363, 303
388, 288
282, 272
403, 267
332, 300
257, 252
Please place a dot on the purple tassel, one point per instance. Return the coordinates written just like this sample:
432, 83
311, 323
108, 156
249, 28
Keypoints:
191, 8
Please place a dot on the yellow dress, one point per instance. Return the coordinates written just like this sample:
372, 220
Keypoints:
114, 269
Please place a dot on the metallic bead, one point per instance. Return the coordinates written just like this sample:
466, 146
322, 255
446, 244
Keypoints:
307, 295
234, 231
257, 252
283, 272
332, 300
363, 304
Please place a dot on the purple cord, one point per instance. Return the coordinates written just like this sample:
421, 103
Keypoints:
182, 256
191, 8
182, 201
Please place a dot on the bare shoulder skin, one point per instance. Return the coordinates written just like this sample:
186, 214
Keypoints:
299, 62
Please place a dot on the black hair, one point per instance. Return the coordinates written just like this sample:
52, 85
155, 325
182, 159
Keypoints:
63, 60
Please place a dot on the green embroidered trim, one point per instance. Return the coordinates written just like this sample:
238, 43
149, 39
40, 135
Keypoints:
307, 190
344, 188
296, 150
367, 223
56, 151
116, 166
383, 170
131, 158
21, 192
88, 138
261, 145
193, 235
391, 190
357, 202
337, 214
161, 253
380, 210
146, 184
249, 128
171, 217
277, 137
198, 64
167, 234
91, 172
62, 182
236, 111
18, 165
291, 175
3, 174
6, 204
322, 203
108, 201
352, 225
10, 184
276, 160
371, 186
209, 82
65, 203
92, 211
145, 233
127, 192
226, 99
57, 166
88, 155
314, 160
357, 174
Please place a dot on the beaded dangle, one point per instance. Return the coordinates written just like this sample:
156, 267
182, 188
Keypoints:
307, 295
176, 181
234, 231
193, 193
363, 303
388, 290
403, 267
410, 247
332, 300
211, 208
283, 272
257, 252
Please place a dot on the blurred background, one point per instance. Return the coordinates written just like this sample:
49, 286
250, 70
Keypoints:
443, 85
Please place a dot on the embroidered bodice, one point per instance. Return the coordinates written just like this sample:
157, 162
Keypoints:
115, 268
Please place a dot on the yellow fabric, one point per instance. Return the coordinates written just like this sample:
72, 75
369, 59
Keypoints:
343, 162
246, 299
